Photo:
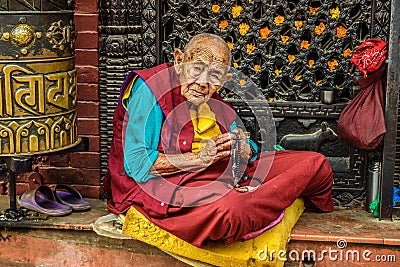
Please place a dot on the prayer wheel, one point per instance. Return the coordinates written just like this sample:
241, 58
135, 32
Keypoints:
37, 77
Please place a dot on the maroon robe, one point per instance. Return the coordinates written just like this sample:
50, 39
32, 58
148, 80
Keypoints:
199, 206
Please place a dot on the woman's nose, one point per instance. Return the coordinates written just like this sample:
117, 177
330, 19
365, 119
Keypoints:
203, 79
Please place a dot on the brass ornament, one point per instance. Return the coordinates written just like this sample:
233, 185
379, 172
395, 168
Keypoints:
5, 36
60, 36
22, 35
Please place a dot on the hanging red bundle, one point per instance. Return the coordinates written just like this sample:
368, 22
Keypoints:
362, 122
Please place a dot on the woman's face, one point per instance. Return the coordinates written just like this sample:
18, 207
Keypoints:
203, 71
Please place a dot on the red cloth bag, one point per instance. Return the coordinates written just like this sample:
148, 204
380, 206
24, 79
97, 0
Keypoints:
362, 122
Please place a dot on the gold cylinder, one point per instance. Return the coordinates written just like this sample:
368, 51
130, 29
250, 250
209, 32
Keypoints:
37, 82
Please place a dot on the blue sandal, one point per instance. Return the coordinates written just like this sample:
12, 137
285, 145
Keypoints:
70, 197
43, 200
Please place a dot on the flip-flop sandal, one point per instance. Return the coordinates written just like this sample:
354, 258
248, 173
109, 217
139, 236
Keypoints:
42, 200
70, 197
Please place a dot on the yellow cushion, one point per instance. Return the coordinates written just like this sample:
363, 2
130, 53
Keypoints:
253, 252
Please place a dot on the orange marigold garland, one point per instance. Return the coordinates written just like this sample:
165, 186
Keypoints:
304, 44
230, 45
313, 10
341, 31
243, 28
279, 20
284, 38
347, 52
236, 10
333, 64
215, 8
223, 24
264, 32
298, 24
320, 28
250, 48
335, 13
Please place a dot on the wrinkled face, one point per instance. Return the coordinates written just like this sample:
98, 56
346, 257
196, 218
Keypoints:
203, 71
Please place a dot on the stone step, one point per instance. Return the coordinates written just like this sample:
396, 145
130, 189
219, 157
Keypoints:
344, 237
80, 248
70, 241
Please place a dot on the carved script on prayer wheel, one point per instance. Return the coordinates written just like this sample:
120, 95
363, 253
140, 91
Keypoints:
37, 77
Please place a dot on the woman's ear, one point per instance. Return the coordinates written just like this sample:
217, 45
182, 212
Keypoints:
178, 59
228, 76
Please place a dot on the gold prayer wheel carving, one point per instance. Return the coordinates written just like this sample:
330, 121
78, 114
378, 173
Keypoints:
22, 35
59, 35
37, 83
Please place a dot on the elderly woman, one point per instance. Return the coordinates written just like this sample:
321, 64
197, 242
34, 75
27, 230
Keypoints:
177, 154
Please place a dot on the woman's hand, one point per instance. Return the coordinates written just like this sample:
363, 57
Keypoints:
245, 189
216, 149
245, 150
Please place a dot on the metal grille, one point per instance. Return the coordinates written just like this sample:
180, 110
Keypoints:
291, 49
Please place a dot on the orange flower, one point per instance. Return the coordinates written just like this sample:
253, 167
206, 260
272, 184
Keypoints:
313, 10
341, 31
257, 68
236, 11
297, 77
337, 86
318, 82
215, 8
279, 19
298, 24
333, 64
335, 12
235, 65
277, 72
320, 28
311, 63
250, 48
264, 32
291, 58
347, 52
284, 38
242, 82
230, 45
223, 24
243, 28
304, 44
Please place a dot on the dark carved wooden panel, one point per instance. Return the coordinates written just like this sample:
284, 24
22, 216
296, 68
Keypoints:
120, 50
36, 5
